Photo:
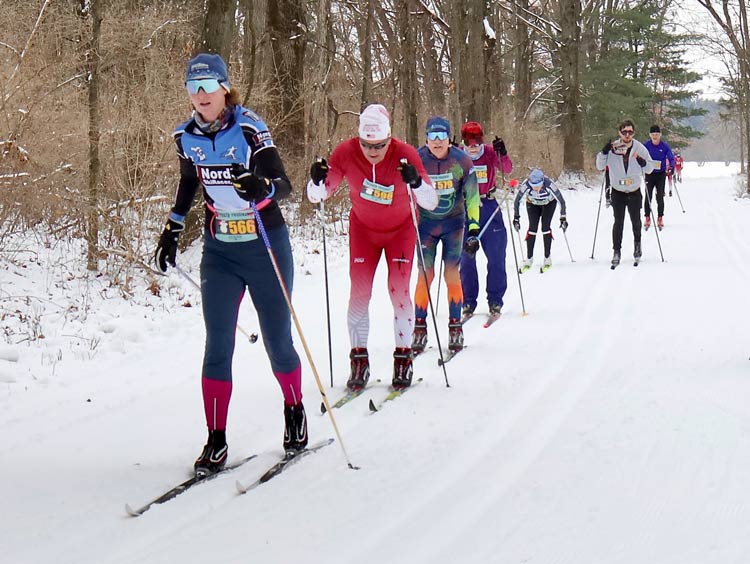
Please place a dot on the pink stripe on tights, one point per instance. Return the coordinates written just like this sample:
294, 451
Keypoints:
291, 385
216, 394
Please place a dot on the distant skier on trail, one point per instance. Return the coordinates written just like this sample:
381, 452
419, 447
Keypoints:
487, 159
541, 196
661, 153
380, 222
451, 172
228, 152
679, 162
626, 159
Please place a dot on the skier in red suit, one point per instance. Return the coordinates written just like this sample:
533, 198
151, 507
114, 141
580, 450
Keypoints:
380, 222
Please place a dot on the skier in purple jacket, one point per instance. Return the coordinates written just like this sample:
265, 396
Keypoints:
661, 153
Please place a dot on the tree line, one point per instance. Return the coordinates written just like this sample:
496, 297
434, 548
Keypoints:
92, 89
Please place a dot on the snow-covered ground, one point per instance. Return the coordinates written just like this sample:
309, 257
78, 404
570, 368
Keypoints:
609, 425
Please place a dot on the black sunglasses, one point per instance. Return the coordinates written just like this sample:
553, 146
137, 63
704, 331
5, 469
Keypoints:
627, 131
373, 146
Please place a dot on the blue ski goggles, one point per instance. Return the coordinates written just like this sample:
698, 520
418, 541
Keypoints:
209, 85
437, 135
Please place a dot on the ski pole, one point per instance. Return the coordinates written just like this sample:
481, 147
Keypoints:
288, 299
565, 235
412, 207
598, 211
486, 225
513, 244
678, 197
322, 213
439, 279
656, 230
505, 188
252, 337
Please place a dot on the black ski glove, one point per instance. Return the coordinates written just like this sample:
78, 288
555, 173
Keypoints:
517, 223
563, 223
499, 146
319, 171
409, 174
640, 160
471, 246
166, 249
248, 185
607, 148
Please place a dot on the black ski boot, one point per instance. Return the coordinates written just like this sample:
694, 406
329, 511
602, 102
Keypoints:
419, 337
455, 335
360, 369
495, 309
615, 259
214, 455
637, 250
402, 367
295, 428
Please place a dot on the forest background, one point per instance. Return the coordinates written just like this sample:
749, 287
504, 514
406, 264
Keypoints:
91, 90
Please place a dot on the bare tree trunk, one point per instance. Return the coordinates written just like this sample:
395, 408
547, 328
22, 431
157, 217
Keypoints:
219, 28
249, 57
523, 62
433, 79
95, 10
738, 34
572, 117
318, 127
365, 46
408, 69
286, 22
468, 61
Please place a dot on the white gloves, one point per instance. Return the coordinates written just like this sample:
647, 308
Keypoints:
316, 192
426, 196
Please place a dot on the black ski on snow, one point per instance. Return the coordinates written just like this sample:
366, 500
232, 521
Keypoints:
491, 319
343, 400
184, 486
288, 459
392, 395
466, 317
449, 355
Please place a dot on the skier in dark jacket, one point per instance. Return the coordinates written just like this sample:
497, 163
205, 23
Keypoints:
661, 153
228, 152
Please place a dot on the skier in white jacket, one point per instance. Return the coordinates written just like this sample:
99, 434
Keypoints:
625, 161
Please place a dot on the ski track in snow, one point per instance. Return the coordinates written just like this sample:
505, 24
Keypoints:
609, 425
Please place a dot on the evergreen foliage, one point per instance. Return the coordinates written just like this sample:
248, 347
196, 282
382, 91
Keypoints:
640, 75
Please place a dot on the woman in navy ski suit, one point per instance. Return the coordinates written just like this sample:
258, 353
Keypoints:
541, 196
227, 151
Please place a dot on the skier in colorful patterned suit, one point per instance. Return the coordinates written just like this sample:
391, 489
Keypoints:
486, 159
452, 174
380, 171
228, 152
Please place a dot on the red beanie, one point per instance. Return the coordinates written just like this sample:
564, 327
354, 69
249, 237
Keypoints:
472, 131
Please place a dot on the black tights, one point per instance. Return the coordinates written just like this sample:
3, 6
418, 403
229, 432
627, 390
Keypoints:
620, 202
536, 213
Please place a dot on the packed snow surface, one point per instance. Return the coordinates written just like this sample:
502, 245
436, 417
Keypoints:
607, 423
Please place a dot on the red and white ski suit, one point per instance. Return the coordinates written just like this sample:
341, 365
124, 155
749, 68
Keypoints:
380, 221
